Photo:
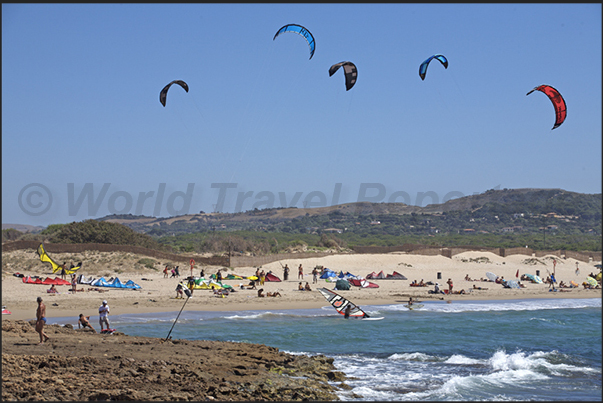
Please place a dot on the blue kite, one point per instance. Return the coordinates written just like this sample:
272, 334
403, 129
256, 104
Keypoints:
298, 29
423, 66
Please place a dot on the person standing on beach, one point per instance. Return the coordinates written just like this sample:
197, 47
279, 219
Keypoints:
553, 281
41, 321
262, 277
179, 291
73, 284
449, 282
315, 276
286, 272
103, 316
64, 270
300, 272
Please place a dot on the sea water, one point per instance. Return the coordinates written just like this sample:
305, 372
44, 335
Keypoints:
544, 349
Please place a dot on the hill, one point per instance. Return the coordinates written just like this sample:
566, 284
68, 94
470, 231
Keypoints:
541, 218
493, 210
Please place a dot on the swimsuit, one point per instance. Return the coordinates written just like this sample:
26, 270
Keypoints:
44, 319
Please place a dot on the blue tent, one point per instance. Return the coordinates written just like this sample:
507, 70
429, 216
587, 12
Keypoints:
131, 284
328, 273
116, 283
101, 282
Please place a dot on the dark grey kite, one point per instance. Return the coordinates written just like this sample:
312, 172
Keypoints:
164, 91
350, 72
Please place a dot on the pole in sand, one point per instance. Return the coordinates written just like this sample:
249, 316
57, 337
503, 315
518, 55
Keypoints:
188, 295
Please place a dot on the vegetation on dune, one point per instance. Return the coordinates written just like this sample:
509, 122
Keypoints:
93, 231
11, 234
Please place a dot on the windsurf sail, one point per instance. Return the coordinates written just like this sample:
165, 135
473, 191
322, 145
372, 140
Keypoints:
55, 266
340, 304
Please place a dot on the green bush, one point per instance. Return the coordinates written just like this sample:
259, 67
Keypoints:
148, 263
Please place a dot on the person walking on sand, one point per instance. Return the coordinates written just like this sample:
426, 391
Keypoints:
300, 272
449, 282
41, 321
103, 316
73, 284
165, 272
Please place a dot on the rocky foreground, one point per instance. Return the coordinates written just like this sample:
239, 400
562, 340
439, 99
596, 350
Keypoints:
82, 365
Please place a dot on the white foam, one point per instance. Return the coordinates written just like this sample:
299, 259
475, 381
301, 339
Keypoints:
412, 357
505, 305
461, 359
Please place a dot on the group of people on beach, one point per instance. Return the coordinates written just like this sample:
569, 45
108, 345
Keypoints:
83, 321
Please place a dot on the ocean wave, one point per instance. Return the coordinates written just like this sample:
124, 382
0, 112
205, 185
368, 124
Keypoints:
504, 305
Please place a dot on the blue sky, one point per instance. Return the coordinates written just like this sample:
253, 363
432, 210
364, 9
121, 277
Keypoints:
84, 134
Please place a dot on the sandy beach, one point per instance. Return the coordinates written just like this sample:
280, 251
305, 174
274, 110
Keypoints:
122, 367
157, 294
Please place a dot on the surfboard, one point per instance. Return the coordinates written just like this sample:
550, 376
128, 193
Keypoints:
371, 318
413, 306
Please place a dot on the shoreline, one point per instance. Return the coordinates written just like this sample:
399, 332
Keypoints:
28, 314
158, 293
